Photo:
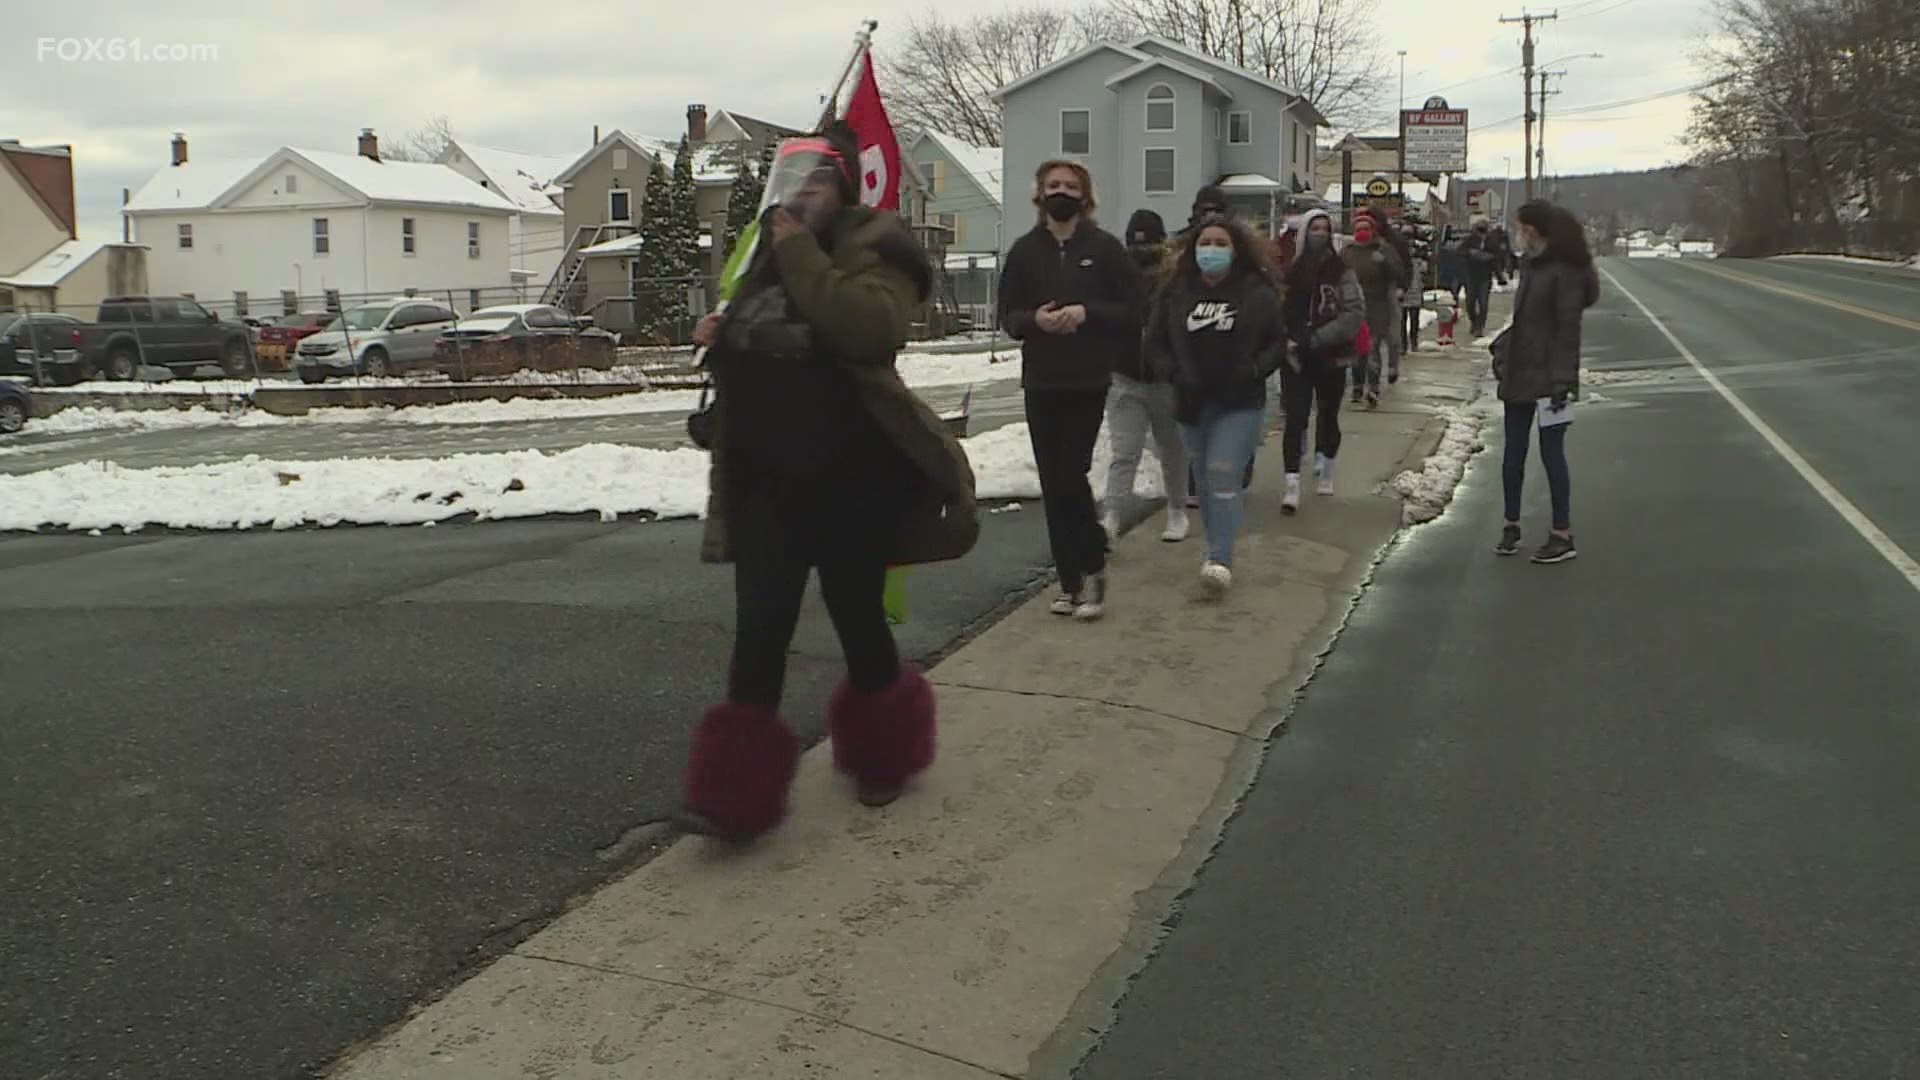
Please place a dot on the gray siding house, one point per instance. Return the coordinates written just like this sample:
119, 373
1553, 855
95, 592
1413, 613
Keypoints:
1154, 121
963, 189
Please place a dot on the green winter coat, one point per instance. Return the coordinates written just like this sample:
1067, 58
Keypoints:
858, 305
1382, 275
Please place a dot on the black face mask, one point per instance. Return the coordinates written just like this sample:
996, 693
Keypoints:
1062, 207
1318, 244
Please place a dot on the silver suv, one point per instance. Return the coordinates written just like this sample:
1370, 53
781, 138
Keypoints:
385, 337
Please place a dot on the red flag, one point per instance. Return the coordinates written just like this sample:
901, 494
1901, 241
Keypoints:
879, 149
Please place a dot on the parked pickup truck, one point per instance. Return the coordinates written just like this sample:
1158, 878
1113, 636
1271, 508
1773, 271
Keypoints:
163, 331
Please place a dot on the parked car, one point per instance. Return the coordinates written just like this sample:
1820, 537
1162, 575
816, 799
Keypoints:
381, 338
278, 339
16, 406
163, 331
56, 340
503, 340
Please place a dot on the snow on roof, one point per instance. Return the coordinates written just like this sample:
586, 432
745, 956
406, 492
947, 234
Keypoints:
191, 186
1417, 191
958, 261
404, 181
982, 163
53, 267
1171, 65
628, 245
1249, 182
525, 179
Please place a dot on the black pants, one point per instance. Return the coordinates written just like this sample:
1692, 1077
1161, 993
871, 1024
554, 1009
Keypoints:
1479, 295
1318, 382
768, 589
1553, 455
1064, 424
1410, 334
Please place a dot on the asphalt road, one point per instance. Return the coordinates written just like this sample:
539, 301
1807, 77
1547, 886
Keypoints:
1648, 814
995, 404
263, 792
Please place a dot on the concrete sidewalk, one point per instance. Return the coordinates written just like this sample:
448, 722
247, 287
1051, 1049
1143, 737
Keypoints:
967, 929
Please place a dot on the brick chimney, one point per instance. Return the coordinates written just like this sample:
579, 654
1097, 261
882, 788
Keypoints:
696, 123
596, 134
179, 148
369, 144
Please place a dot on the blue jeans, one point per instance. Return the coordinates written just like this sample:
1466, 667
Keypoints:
1220, 446
1553, 455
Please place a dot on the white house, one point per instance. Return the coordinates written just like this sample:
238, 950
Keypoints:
536, 234
308, 221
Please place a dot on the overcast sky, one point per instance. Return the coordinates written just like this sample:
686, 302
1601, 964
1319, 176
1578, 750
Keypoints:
538, 77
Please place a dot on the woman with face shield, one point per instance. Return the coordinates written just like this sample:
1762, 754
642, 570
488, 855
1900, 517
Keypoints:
823, 461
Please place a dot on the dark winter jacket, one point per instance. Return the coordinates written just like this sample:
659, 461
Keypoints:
1217, 344
1326, 314
1487, 256
1089, 268
835, 316
1539, 354
1381, 276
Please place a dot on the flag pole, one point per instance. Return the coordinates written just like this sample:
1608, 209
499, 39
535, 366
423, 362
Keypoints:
862, 40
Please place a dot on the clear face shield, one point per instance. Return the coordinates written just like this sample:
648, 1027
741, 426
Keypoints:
807, 179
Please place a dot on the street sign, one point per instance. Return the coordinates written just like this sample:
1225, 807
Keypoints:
1477, 201
1379, 188
1435, 140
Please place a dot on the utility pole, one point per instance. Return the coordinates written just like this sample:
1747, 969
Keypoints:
1403, 131
1526, 84
1540, 152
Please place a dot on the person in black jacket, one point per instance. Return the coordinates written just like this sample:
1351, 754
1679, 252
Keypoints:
1217, 333
1485, 260
1139, 403
1537, 361
1072, 297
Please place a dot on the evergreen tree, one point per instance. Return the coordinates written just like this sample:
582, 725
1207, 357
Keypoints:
743, 202
686, 219
662, 303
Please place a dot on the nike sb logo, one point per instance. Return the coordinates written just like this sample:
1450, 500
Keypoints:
1211, 313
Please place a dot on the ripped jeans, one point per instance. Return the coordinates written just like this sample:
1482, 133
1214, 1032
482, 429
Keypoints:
1220, 445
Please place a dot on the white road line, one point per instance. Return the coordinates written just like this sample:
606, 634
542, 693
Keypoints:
1863, 525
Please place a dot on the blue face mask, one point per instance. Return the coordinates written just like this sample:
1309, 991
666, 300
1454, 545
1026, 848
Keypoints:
1213, 261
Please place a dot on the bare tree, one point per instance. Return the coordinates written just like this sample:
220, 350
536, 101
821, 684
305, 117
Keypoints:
942, 74
424, 143
1322, 49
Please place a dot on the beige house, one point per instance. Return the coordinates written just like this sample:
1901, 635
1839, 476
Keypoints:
43, 263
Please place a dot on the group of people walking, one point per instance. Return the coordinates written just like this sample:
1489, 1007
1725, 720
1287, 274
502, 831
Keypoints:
823, 461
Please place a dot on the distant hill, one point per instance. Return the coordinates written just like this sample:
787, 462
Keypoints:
1655, 199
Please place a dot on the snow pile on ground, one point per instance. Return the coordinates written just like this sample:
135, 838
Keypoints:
1632, 376
601, 478
1426, 493
1003, 466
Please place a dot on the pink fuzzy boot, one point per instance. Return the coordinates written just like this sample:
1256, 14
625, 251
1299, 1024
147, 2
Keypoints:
883, 739
738, 771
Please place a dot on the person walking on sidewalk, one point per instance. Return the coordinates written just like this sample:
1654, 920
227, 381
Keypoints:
822, 460
1485, 261
1217, 334
1537, 361
1072, 298
1390, 234
1139, 402
1380, 273
1324, 311
1414, 300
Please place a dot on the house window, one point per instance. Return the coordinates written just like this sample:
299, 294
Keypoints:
620, 206
293, 184
406, 236
322, 243
1239, 129
936, 177
619, 159
1076, 131
239, 303
1160, 177
1160, 107
473, 239
473, 301
950, 222
186, 237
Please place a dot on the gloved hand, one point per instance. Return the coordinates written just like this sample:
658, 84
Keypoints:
1559, 400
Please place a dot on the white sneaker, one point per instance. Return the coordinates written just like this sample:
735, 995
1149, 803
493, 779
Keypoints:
1326, 477
1319, 465
1065, 604
1216, 579
1093, 599
1179, 526
1290, 502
